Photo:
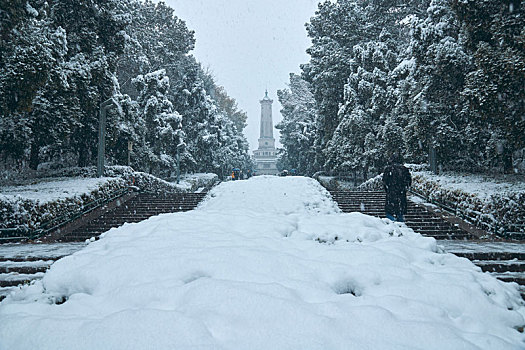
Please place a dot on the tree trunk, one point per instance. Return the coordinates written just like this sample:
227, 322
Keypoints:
507, 161
82, 158
34, 157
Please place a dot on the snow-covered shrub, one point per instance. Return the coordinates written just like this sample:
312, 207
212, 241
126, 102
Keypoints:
335, 183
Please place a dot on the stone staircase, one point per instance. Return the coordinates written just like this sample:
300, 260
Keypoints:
138, 208
417, 218
505, 260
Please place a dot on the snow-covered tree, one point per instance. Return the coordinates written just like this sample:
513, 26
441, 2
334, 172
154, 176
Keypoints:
436, 79
494, 94
163, 134
368, 102
229, 107
298, 127
155, 39
334, 30
30, 52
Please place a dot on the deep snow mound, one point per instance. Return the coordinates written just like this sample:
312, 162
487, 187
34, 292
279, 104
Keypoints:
267, 263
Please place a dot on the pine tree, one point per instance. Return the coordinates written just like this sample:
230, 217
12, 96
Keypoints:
228, 106
368, 102
32, 51
95, 39
156, 39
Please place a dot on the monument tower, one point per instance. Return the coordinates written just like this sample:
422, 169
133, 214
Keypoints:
266, 155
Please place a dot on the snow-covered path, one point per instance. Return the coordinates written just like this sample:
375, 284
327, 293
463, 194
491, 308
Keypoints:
268, 263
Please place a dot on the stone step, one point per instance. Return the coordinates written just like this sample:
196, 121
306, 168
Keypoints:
492, 256
501, 266
138, 208
15, 279
509, 277
417, 217
26, 270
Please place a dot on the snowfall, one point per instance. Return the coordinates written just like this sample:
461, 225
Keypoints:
266, 263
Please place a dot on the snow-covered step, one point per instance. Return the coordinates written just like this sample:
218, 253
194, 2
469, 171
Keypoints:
501, 265
504, 260
13, 279
22, 263
516, 277
5, 291
24, 267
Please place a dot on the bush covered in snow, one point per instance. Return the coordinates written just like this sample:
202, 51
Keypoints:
149, 183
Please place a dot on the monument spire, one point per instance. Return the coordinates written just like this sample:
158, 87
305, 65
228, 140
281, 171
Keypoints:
266, 155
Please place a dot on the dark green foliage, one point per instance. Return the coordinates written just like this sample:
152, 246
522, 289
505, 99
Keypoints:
60, 59
494, 93
298, 127
446, 75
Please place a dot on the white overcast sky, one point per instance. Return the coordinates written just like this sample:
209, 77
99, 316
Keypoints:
249, 45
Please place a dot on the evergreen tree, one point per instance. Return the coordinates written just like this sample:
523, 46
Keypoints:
156, 39
493, 95
228, 106
334, 30
30, 52
163, 134
298, 127
368, 102
437, 78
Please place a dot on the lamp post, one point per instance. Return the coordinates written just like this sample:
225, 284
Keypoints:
130, 148
432, 157
178, 165
180, 146
104, 106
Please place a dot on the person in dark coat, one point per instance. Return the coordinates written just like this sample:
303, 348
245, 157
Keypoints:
396, 181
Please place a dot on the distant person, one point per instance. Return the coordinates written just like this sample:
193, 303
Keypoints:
396, 181
236, 174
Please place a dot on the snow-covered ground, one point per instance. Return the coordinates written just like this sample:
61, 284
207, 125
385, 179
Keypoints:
52, 189
478, 185
267, 263
49, 190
